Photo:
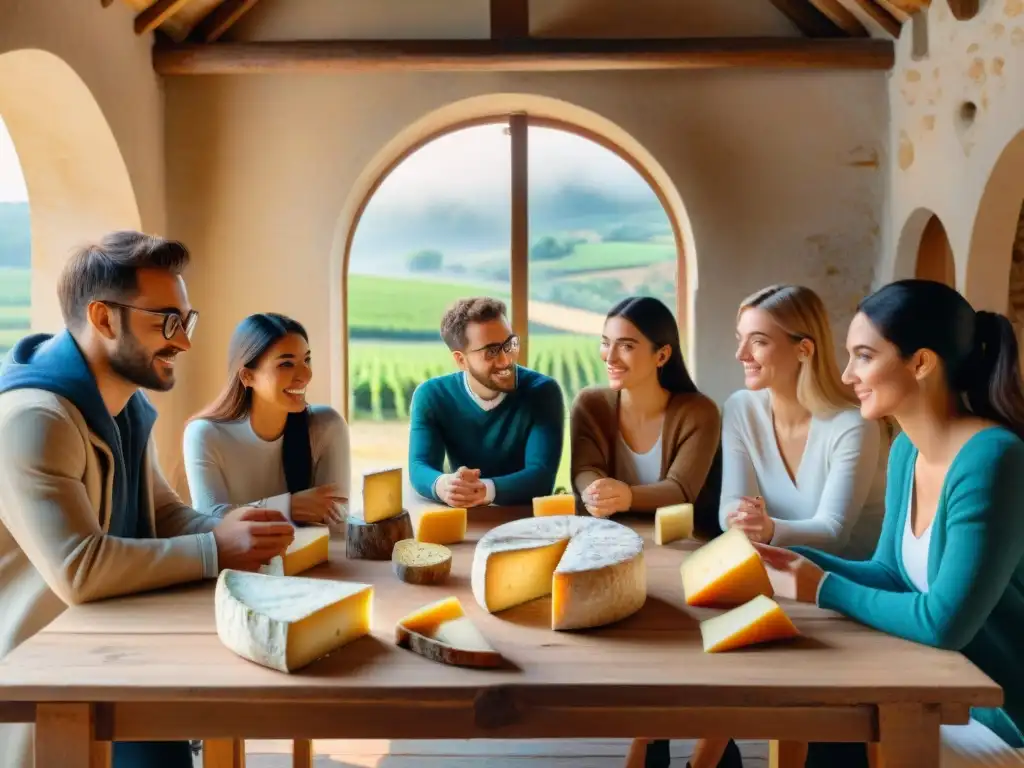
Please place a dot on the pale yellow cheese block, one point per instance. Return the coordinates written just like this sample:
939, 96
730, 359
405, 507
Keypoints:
725, 571
382, 494
442, 525
442, 632
559, 504
308, 549
287, 622
593, 569
761, 620
673, 523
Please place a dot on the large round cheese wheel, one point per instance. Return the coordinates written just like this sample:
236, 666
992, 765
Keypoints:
593, 569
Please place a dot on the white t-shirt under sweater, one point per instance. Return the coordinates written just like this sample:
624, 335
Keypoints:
646, 465
228, 465
838, 500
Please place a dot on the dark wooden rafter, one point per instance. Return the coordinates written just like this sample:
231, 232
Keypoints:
878, 15
510, 19
221, 19
840, 15
808, 19
157, 14
531, 55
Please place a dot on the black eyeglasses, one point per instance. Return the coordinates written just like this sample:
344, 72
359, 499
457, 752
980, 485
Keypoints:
508, 346
172, 319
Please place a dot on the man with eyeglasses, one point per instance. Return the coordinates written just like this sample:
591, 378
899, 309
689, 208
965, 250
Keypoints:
85, 512
500, 425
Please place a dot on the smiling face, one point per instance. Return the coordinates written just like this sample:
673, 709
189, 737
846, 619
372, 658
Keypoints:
770, 356
282, 373
628, 355
880, 378
491, 354
138, 352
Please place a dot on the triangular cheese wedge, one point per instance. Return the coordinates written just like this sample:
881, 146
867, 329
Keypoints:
442, 632
725, 571
673, 523
759, 621
286, 622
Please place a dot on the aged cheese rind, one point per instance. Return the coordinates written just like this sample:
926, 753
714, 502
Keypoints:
558, 504
761, 620
287, 622
375, 541
308, 549
443, 633
673, 523
417, 562
725, 571
382, 494
442, 525
593, 568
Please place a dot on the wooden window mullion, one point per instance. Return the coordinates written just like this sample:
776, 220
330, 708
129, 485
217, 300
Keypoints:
520, 245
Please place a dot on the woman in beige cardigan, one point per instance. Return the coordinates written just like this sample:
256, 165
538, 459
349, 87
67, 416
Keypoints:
648, 439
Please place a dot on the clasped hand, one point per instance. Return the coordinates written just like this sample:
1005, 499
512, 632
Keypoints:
606, 496
751, 517
793, 576
462, 488
321, 504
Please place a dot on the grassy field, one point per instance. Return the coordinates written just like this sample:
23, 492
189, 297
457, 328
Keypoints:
15, 298
600, 257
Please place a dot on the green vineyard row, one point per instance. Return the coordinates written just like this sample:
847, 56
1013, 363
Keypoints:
384, 375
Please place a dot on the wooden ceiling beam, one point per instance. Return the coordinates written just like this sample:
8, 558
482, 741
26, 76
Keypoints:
841, 17
964, 9
510, 19
910, 7
895, 10
530, 55
808, 19
221, 19
157, 14
876, 13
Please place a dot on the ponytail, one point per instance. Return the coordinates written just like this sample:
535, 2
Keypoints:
993, 388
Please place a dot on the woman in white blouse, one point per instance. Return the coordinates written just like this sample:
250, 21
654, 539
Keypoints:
800, 465
259, 442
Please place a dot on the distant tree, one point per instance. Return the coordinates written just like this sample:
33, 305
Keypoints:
549, 248
630, 233
426, 261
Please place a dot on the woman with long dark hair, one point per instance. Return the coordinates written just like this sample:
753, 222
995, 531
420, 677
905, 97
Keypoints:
949, 568
649, 439
258, 442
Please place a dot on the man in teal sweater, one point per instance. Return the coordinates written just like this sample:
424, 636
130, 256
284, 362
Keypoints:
500, 425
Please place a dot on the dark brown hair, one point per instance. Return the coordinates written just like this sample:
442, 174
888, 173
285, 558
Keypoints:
108, 270
978, 349
479, 309
249, 343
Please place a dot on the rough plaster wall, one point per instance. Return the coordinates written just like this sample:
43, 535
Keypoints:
114, 64
946, 150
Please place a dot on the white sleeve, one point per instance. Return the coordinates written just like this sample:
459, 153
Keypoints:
738, 475
852, 463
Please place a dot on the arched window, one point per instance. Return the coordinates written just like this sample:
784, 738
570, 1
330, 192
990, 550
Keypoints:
556, 223
15, 246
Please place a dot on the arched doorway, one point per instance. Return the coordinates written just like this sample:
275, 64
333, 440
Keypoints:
935, 255
77, 183
547, 215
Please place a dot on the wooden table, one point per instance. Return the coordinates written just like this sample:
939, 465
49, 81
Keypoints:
151, 667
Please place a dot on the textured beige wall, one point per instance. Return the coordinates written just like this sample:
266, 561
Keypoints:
969, 173
782, 174
85, 109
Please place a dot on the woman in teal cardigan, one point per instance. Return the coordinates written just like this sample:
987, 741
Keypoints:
948, 571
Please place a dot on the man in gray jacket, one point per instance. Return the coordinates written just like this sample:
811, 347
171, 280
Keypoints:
85, 512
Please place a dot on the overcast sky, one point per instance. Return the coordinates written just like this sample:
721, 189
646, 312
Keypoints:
473, 166
12, 184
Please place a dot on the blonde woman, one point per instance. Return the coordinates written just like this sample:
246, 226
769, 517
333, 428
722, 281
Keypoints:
800, 465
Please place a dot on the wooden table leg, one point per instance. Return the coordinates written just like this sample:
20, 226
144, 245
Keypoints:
909, 735
224, 753
64, 737
302, 753
787, 754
